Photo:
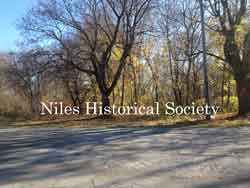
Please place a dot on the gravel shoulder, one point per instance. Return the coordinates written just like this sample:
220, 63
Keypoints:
125, 157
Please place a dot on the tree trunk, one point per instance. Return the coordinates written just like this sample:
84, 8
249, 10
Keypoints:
35, 105
243, 91
228, 95
223, 85
135, 84
123, 88
105, 103
156, 93
241, 70
188, 96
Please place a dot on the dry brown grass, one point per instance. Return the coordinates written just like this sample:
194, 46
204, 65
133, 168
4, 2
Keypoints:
222, 120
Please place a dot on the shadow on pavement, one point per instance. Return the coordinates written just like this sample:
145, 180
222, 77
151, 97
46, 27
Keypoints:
37, 154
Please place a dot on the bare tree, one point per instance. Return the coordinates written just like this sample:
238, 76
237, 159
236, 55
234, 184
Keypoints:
25, 76
103, 27
180, 29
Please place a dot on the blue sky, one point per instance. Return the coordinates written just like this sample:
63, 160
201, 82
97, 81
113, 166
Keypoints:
10, 11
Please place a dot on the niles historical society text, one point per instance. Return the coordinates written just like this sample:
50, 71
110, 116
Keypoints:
95, 108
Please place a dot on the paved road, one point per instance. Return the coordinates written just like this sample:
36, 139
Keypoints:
125, 158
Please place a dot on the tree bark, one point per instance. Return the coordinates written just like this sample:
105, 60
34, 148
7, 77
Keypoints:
123, 88
156, 93
223, 85
243, 91
241, 71
105, 102
228, 95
